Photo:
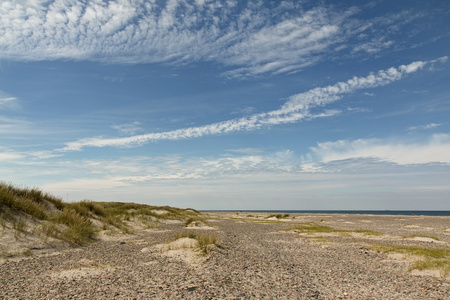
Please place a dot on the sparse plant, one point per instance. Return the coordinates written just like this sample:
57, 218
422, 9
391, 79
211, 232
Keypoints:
206, 241
79, 229
196, 221
49, 230
20, 226
421, 236
3, 221
278, 216
316, 228
27, 252
127, 230
187, 233
435, 258
442, 265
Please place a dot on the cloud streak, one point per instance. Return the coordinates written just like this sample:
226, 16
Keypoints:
426, 127
303, 106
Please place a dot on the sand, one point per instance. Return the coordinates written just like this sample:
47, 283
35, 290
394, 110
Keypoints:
255, 258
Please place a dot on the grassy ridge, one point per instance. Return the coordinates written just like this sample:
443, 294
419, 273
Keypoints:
77, 222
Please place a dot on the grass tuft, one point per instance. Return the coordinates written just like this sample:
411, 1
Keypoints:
20, 226
3, 221
50, 230
205, 240
421, 236
79, 229
196, 221
429, 259
316, 228
278, 216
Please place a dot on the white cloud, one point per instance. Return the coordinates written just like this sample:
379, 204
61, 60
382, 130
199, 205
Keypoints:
134, 31
259, 179
251, 40
244, 111
427, 126
8, 156
134, 170
14, 127
374, 46
435, 150
85, 185
6, 100
298, 107
128, 128
246, 151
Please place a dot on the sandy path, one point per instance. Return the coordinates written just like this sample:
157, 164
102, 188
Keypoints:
253, 261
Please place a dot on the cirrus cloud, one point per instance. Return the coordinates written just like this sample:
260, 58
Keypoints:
299, 107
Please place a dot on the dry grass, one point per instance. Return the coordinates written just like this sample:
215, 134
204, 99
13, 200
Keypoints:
195, 221
205, 240
278, 216
421, 236
20, 226
74, 222
316, 228
426, 258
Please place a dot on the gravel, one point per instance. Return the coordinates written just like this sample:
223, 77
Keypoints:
251, 261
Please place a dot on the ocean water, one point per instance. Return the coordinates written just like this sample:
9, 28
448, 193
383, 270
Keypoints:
366, 212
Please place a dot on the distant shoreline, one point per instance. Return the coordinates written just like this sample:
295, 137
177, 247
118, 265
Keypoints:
353, 212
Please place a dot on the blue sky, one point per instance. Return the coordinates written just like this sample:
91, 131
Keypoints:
228, 104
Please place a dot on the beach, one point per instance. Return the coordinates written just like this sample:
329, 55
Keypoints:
256, 256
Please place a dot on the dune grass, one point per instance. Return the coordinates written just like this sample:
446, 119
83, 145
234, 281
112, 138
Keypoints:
426, 258
195, 220
74, 222
421, 236
316, 228
205, 240
278, 216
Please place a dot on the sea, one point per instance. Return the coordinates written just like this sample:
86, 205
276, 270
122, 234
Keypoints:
365, 212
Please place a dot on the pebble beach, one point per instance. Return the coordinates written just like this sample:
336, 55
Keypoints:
256, 257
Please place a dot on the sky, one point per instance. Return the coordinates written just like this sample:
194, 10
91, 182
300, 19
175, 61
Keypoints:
240, 105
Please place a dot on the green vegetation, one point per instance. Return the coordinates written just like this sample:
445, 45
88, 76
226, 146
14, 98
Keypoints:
421, 236
20, 227
278, 216
77, 223
205, 240
3, 221
196, 221
428, 259
316, 228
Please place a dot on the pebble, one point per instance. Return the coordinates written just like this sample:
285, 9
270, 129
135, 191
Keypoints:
253, 261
